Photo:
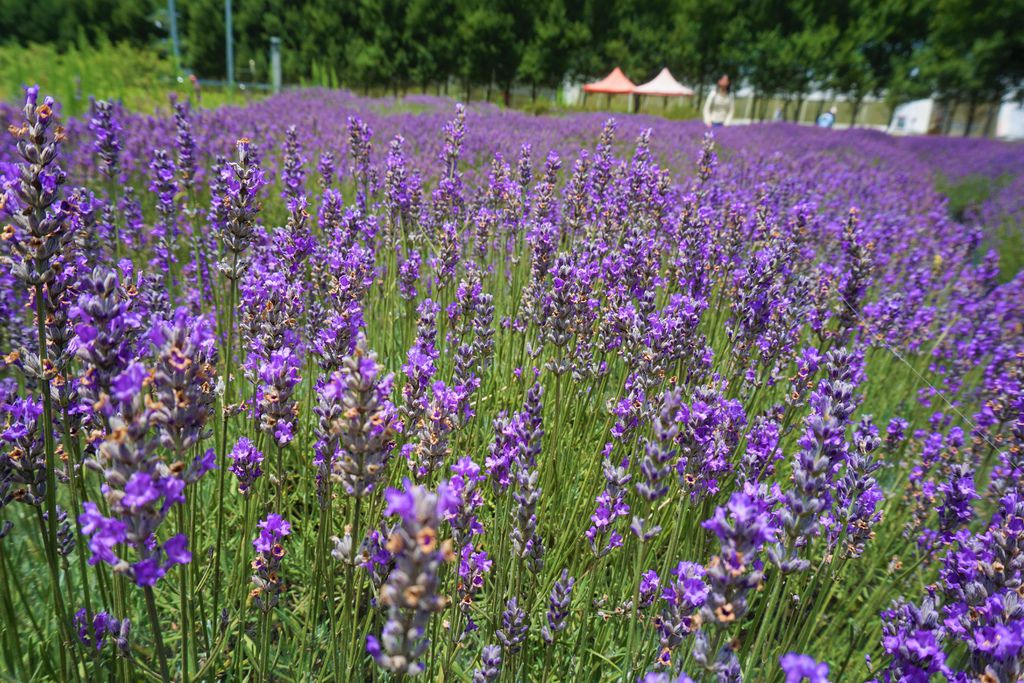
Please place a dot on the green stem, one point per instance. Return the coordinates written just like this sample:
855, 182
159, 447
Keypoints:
265, 647
11, 632
226, 402
637, 570
50, 527
280, 475
154, 622
352, 592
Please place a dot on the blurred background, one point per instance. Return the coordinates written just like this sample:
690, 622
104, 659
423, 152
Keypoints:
952, 67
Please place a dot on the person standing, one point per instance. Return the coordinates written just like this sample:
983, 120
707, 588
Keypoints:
719, 106
828, 119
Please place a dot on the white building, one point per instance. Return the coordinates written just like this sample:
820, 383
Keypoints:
921, 117
1010, 121
913, 118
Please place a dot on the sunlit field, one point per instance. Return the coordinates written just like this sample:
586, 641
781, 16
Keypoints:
327, 388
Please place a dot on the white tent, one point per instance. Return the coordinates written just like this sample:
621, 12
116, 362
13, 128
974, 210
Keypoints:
663, 85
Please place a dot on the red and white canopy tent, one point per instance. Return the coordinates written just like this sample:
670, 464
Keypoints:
662, 85
614, 83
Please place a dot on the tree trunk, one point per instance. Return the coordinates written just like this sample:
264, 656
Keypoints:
488, 96
990, 118
533, 92
506, 95
856, 110
972, 108
950, 114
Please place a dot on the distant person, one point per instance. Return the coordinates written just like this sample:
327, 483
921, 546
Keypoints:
719, 106
828, 119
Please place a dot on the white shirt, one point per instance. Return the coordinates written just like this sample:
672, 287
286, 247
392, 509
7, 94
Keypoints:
718, 108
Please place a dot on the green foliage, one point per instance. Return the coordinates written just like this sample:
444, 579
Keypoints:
118, 71
64, 24
1009, 242
962, 50
966, 194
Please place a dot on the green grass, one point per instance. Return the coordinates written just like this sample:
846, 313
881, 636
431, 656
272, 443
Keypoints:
139, 78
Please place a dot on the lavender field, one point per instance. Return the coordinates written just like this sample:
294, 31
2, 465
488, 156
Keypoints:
327, 388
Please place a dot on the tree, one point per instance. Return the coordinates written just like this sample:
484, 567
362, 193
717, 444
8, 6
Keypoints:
974, 52
490, 44
430, 36
556, 36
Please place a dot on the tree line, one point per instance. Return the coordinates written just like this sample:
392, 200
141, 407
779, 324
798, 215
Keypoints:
962, 51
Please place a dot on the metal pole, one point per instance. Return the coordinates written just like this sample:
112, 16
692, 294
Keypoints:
175, 45
229, 40
275, 63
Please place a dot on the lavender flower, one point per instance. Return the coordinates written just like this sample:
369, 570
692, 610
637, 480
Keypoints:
241, 181
360, 142
358, 422
94, 632
276, 404
165, 187
743, 528
140, 488
799, 667
402, 192
558, 607
611, 505
490, 665
527, 543
269, 545
186, 145
410, 594
104, 334
326, 170
447, 198
293, 177
684, 595
184, 380
912, 637
39, 230
409, 275
515, 624
654, 467
420, 368
246, 464
22, 460
106, 129
434, 429
662, 677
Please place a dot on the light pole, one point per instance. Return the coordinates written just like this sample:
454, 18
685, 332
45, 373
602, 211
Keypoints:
229, 40
175, 45
275, 63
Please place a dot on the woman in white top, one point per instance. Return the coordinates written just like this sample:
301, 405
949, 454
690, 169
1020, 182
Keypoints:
719, 106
